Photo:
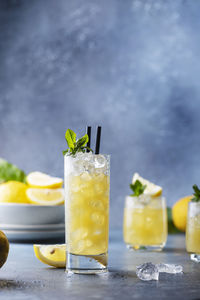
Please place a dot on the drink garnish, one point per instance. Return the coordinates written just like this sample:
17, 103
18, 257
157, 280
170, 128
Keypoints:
137, 188
75, 145
196, 194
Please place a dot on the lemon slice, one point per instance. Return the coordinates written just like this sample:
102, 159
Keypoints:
45, 196
42, 180
52, 255
151, 188
55, 255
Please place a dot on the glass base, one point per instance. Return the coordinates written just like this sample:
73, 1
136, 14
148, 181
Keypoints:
195, 257
146, 248
87, 264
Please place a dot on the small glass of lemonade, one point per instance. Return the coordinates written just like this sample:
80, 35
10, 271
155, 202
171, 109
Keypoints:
145, 219
193, 231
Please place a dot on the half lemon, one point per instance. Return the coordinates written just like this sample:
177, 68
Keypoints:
151, 188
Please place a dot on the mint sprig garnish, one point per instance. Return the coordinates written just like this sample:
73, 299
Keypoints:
137, 188
76, 145
196, 194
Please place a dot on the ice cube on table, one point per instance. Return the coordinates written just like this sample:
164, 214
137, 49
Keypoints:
169, 268
147, 271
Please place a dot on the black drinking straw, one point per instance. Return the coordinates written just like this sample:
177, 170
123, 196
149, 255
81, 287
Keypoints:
89, 136
98, 139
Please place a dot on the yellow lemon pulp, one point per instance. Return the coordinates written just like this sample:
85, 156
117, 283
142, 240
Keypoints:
4, 248
151, 188
52, 255
13, 192
179, 212
42, 180
45, 196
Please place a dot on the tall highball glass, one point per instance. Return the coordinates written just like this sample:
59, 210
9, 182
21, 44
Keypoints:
193, 231
87, 187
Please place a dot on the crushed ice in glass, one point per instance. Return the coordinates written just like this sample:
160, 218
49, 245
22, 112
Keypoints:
88, 162
149, 271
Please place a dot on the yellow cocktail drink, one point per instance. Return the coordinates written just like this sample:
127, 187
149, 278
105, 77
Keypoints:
193, 230
87, 183
145, 222
193, 234
88, 214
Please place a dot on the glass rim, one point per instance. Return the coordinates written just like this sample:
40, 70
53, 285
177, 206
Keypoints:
74, 156
144, 195
191, 203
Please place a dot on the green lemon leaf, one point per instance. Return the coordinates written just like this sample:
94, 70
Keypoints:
9, 171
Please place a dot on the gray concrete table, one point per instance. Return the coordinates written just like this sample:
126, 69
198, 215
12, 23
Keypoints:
24, 277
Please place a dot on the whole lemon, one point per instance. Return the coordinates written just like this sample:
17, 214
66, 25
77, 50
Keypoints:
4, 248
13, 191
179, 212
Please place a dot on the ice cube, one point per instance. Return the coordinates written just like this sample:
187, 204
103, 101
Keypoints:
98, 218
99, 161
97, 204
88, 243
83, 162
80, 246
169, 268
78, 167
79, 234
147, 271
85, 176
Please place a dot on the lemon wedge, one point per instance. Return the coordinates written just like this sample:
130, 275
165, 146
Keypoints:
55, 255
151, 189
42, 180
52, 255
45, 196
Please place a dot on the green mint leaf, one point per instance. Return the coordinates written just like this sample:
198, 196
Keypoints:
137, 188
9, 171
70, 137
74, 145
65, 151
88, 148
196, 194
82, 141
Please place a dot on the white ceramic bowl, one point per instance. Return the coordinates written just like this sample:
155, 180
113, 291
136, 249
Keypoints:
28, 214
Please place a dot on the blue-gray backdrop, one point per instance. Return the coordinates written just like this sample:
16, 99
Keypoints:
131, 66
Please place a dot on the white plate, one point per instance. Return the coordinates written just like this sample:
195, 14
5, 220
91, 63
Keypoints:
34, 236
48, 227
29, 214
